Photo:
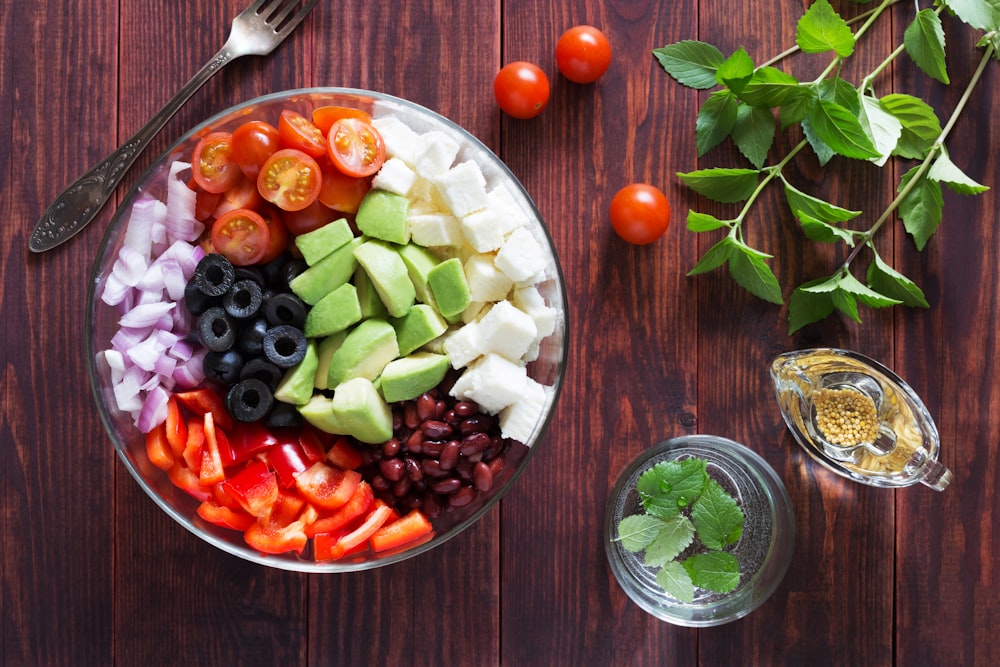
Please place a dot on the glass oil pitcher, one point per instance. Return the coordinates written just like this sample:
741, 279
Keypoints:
858, 418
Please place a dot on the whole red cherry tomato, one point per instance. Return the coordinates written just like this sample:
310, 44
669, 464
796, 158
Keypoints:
640, 213
583, 54
521, 89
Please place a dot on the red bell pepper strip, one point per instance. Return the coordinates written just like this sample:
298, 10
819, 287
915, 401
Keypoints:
255, 488
200, 401
344, 455
176, 427
312, 444
158, 448
287, 459
195, 444
245, 442
220, 515
360, 535
357, 506
211, 470
327, 487
273, 538
188, 482
401, 531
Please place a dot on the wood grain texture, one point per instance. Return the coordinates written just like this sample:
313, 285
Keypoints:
94, 573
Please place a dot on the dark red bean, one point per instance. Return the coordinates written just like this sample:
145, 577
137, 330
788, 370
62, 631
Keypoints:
464, 469
496, 465
410, 417
475, 424
414, 443
433, 448
462, 497
391, 469
436, 430
380, 483
440, 407
412, 467
432, 468
432, 506
465, 408
450, 454
390, 447
451, 417
482, 477
411, 501
426, 407
397, 420
475, 443
447, 486
401, 487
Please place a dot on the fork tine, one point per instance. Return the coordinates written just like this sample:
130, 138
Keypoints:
283, 26
254, 7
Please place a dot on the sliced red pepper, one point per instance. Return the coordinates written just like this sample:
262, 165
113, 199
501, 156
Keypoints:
158, 449
344, 455
255, 488
200, 401
187, 481
176, 427
286, 508
357, 506
401, 531
359, 536
273, 538
195, 444
287, 459
220, 515
327, 487
246, 441
222, 497
312, 445
211, 470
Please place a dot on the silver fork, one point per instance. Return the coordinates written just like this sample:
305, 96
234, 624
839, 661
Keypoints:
258, 30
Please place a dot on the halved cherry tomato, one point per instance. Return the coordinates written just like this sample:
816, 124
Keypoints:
342, 192
401, 531
356, 147
279, 234
309, 218
297, 131
327, 487
242, 195
158, 448
212, 164
290, 179
324, 117
241, 236
204, 202
254, 142
521, 89
220, 515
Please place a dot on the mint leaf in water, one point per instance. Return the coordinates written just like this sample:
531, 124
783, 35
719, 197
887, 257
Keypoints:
638, 531
717, 571
671, 485
717, 517
675, 536
676, 581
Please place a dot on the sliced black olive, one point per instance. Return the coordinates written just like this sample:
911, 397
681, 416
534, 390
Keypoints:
283, 415
249, 400
274, 272
285, 308
251, 336
251, 273
244, 299
214, 275
263, 370
196, 301
290, 271
284, 345
223, 367
216, 330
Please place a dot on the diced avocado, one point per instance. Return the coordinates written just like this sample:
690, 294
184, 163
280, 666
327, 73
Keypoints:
418, 327
327, 274
296, 387
388, 274
334, 312
371, 303
361, 411
320, 242
409, 377
325, 349
449, 287
382, 215
365, 351
419, 262
319, 412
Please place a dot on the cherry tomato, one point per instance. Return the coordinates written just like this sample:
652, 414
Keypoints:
242, 236
356, 147
325, 117
290, 179
205, 202
521, 90
583, 54
640, 213
309, 218
278, 232
253, 143
242, 195
297, 131
342, 192
212, 164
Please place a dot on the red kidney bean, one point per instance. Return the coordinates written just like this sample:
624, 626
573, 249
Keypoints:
496, 465
436, 430
433, 447
462, 497
450, 454
465, 408
390, 447
414, 443
391, 469
464, 469
447, 486
432, 468
482, 476
426, 407
451, 417
475, 443
401, 487
475, 424
380, 483
432, 506
440, 407
412, 467
410, 416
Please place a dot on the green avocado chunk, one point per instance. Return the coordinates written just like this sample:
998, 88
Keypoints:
360, 411
409, 377
327, 274
319, 412
296, 387
418, 327
334, 312
382, 215
320, 242
388, 274
450, 288
365, 351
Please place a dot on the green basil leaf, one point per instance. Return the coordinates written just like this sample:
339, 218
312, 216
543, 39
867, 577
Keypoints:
824, 232
703, 222
865, 294
806, 307
981, 14
716, 120
691, 63
817, 209
735, 71
924, 42
754, 133
752, 274
823, 152
845, 302
841, 92
796, 106
921, 127
921, 208
884, 279
768, 87
883, 128
945, 171
722, 185
839, 129
714, 257
821, 29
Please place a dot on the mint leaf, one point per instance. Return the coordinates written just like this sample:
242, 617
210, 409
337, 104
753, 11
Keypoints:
703, 222
638, 531
886, 280
839, 129
839, 91
691, 63
754, 133
883, 128
714, 257
717, 571
722, 185
750, 272
735, 71
846, 303
676, 535
824, 232
717, 517
921, 126
821, 29
715, 121
796, 106
982, 14
868, 296
921, 209
945, 171
924, 42
670, 485
769, 88
806, 307
816, 209
675, 580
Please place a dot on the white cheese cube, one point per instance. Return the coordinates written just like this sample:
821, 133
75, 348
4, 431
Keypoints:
493, 382
435, 154
519, 419
435, 229
486, 281
507, 331
530, 300
395, 176
509, 212
521, 256
474, 311
463, 345
400, 140
463, 188
483, 229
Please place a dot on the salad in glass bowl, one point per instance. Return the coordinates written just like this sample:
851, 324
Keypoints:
326, 330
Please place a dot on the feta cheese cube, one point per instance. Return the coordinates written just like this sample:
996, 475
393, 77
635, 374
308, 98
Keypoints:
519, 419
493, 382
483, 229
463, 345
400, 140
507, 331
435, 154
521, 257
530, 300
486, 281
395, 176
509, 212
463, 188
474, 311
435, 229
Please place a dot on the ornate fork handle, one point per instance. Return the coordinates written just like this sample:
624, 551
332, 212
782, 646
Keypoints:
80, 202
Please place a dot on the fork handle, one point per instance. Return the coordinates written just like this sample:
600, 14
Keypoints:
80, 203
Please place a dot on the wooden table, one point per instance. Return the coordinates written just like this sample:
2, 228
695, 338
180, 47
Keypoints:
94, 573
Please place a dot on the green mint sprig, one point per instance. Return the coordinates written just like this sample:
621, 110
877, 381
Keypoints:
682, 504
836, 118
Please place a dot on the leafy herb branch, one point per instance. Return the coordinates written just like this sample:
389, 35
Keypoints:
836, 118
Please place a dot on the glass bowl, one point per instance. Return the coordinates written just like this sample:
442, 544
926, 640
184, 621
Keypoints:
763, 550
103, 321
